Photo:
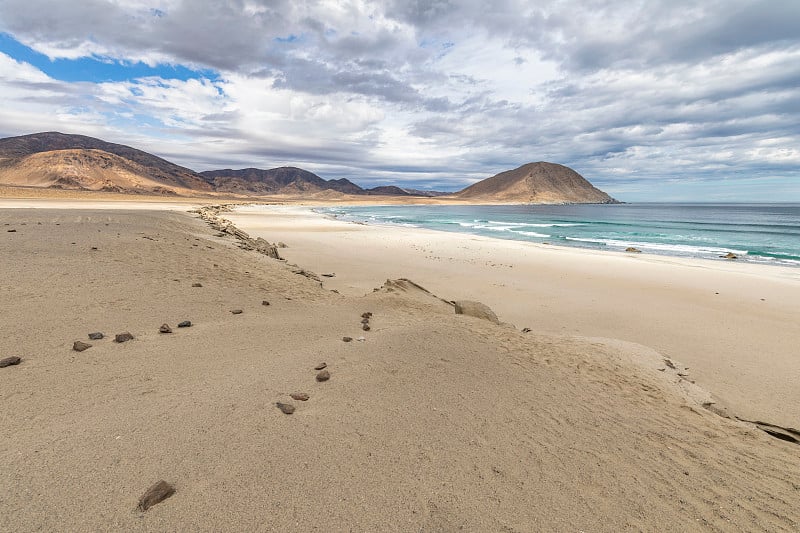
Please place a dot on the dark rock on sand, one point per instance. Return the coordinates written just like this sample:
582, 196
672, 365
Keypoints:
365, 327
321, 366
264, 302
80, 346
476, 309
236, 311
123, 337
299, 396
9, 361
324, 376
365, 320
12, 231
197, 284
330, 275
730, 255
96, 336
165, 329
185, 324
366, 315
347, 339
156, 494
633, 250
526, 330
286, 408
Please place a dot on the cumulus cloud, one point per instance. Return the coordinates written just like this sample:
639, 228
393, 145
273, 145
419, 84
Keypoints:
429, 91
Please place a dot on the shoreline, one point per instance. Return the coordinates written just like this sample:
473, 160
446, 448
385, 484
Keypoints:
644, 248
719, 318
429, 420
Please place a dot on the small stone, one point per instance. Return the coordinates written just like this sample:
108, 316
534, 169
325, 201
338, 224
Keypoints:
365, 327
96, 336
12, 231
197, 284
185, 324
236, 311
94, 247
264, 302
331, 275
156, 494
286, 408
633, 250
347, 339
80, 346
324, 376
526, 330
361, 339
9, 361
299, 396
321, 366
730, 255
165, 329
366, 315
123, 337
365, 320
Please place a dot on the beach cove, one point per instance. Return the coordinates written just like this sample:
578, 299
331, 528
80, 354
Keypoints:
429, 421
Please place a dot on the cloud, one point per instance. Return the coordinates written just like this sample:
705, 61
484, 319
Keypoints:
433, 91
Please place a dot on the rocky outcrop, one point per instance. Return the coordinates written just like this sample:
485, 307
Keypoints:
476, 309
211, 215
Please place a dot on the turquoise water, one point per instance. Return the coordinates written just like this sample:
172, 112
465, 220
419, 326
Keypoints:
762, 233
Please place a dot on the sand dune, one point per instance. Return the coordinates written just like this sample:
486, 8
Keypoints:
435, 422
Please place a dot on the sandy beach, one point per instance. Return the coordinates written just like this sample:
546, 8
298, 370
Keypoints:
430, 421
734, 325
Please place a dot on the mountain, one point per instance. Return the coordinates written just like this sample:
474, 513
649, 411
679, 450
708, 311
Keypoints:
425, 192
283, 180
387, 190
538, 183
59, 160
288, 180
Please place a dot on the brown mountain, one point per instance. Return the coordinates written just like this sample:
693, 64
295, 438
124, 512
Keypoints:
58, 160
537, 183
53, 159
282, 180
288, 180
387, 190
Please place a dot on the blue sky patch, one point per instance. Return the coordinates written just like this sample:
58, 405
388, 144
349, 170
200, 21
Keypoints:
96, 69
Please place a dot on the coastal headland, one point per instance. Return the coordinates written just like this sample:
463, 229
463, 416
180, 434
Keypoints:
426, 420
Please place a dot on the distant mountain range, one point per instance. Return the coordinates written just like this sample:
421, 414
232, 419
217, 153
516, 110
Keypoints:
57, 160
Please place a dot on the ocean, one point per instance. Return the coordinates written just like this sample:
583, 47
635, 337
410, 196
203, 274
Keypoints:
760, 233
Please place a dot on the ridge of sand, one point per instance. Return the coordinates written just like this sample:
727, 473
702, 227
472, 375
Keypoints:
436, 422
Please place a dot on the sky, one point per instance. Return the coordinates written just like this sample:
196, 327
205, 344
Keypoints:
650, 100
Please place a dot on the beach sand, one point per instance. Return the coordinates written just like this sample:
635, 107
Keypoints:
434, 422
734, 325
